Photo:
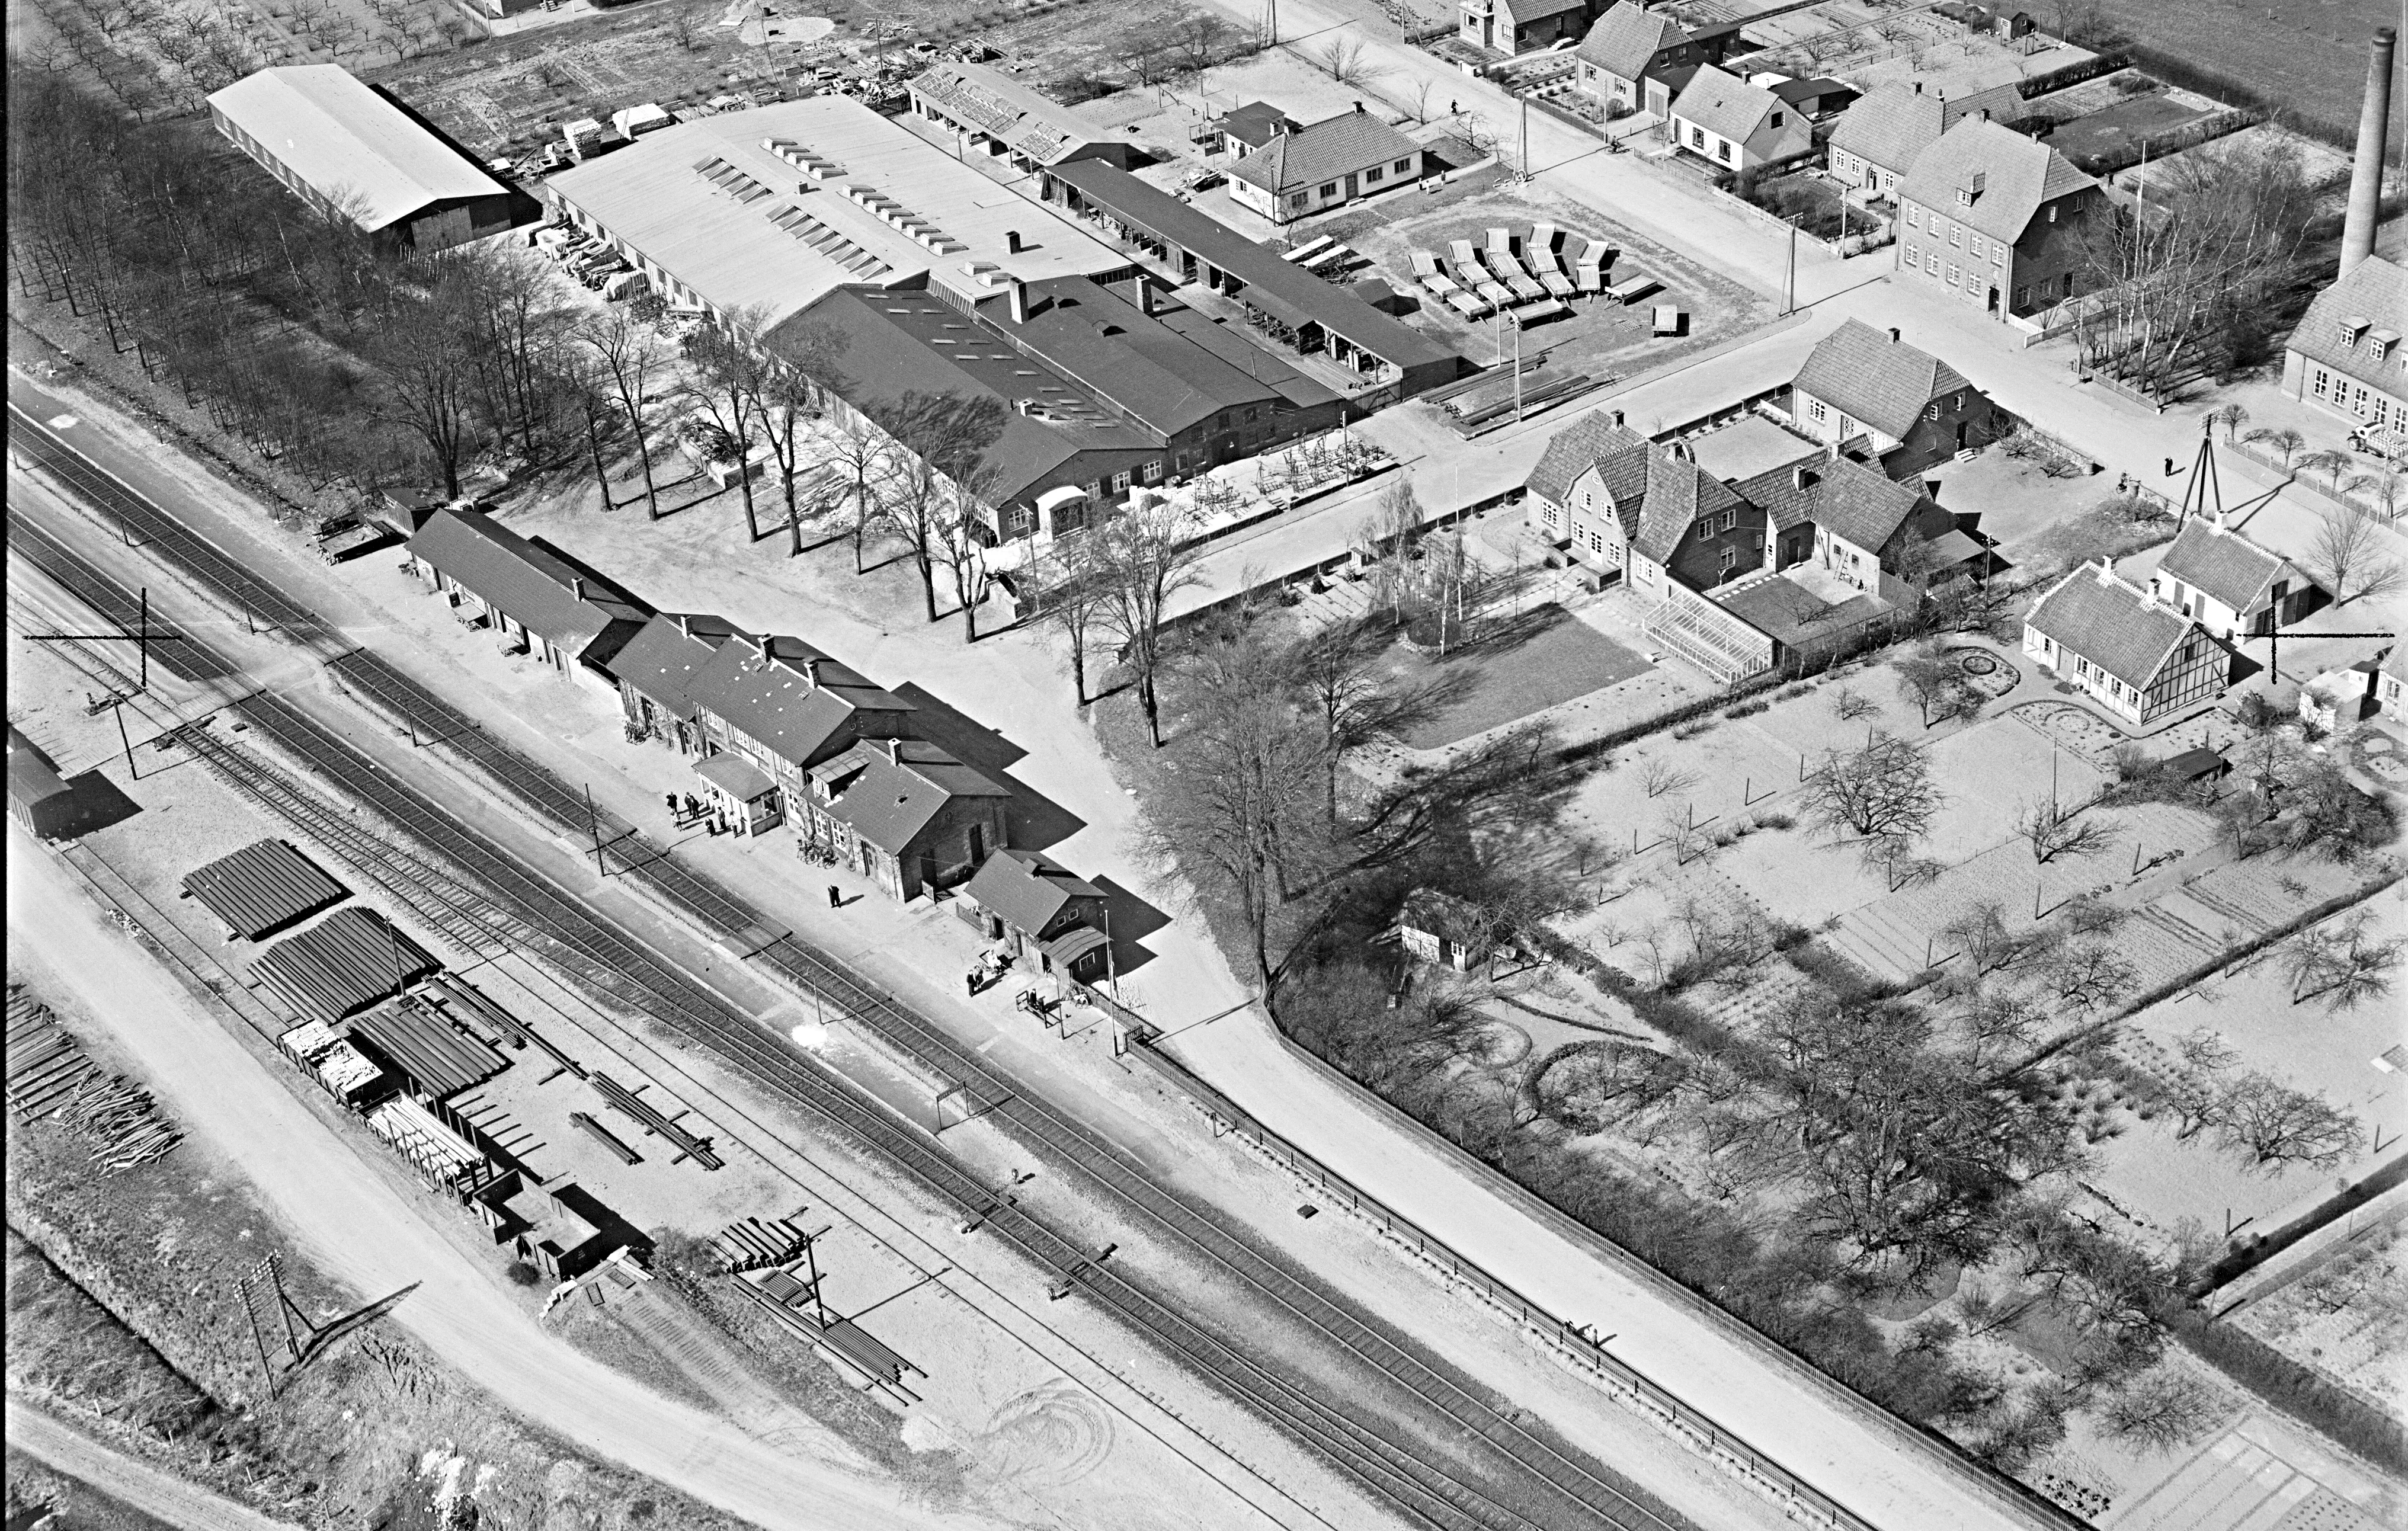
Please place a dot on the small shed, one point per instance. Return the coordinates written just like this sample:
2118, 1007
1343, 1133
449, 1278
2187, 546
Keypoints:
2195, 767
745, 792
2340, 699
1041, 908
1440, 928
41, 799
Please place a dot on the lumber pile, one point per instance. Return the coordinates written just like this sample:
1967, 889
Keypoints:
50, 1076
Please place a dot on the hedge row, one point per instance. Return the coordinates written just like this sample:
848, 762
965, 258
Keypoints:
2299, 1391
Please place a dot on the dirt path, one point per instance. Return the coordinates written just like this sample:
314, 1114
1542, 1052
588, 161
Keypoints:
360, 1230
128, 1479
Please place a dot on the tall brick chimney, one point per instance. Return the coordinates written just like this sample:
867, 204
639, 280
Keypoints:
2366, 175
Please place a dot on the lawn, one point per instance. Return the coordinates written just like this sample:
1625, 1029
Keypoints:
2108, 133
2309, 55
1546, 658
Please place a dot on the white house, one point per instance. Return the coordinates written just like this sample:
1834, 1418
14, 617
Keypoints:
2130, 652
2228, 584
1727, 122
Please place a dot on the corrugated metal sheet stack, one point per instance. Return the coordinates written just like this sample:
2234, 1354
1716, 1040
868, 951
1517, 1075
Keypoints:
341, 965
261, 889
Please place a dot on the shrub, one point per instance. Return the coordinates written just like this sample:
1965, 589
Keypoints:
522, 1274
1749, 709
1776, 819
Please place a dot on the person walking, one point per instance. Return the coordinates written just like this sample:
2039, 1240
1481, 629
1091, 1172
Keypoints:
835, 898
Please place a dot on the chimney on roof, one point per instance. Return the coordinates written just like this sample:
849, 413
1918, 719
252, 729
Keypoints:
1019, 301
1832, 451
577, 586
1617, 419
685, 622
1893, 335
1144, 296
1919, 87
1011, 241
894, 749
2106, 572
1359, 105
812, 671
763, 642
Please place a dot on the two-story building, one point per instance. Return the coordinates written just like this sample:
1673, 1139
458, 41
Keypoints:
905, 814
1519, 26
2131, 653
2346, 355
1878, 138
1868, 390
1048, 914
1727, 122
2228, 584
1869, 530
655, 672
1636, 59
1996, 221
1308, 168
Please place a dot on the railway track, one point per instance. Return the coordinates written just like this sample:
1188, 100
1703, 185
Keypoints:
1504, 1475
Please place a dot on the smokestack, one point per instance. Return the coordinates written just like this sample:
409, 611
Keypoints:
1011, 241
1144, 296
2366, 176
1019, 301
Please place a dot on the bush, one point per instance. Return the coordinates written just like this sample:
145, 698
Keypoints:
522, 1274
1749, 709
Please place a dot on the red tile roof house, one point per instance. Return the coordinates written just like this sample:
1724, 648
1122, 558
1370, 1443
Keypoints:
1042, 908
543, 606
2346, 354
1993, 219
1878, 139
1912, 409
906, 815
1324, 164
2132, 654
1517, 26
1727, 122
1634, 59
2229, 586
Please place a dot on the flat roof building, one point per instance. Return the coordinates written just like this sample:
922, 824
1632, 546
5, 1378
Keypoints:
1001, 117
351, 151
774, 209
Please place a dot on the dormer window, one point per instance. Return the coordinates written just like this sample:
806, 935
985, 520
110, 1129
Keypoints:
2352, 328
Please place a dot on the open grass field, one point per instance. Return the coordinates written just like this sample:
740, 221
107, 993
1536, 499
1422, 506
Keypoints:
2308, 54
1544, 659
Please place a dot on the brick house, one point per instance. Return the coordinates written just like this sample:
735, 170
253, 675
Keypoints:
2346, 356
1044, 910
905, 814
1878, 139
542, 605
1638, 60
1517, 26
2229, 586
1727, 122
1308, 169
1993, 219
1910, 409
2131, 653
1590, 476
1887, 539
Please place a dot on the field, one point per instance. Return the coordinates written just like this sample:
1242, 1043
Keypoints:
2308, 55
1541, 661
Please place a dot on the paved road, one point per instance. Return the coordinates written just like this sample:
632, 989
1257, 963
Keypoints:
128, 1479
360, 1231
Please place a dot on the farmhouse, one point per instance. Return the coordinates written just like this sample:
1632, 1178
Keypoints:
1305, 169
905, 814
353, 152
1728, 122
1872, 532
1634, 59
1517, 26
998, 115
1907, 408
2346, 356
1043, 909
1994, 219
2228, 584
542, 607
2131, 653
1879, 138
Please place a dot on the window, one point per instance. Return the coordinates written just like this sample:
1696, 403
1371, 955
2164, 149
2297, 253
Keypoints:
2052, 213
1953, 274
1253, 412
1776, 118
1551, 516
1596, 541
1697, 138
1914, 256
1931, 262
1998, 254
1815, 410
1913, 216
1933, 413
1151, 473
1019, 520
1731, 519
1120, 482
1372, 175
1705, 530
1723, 149
1957, 235
1973, 247
1328, 188
1299, 202
1404, 167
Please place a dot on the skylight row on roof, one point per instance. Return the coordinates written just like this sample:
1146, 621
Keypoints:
828, 243
728, 178
904, 219
811, 163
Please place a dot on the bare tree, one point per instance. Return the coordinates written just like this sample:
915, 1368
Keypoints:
425, 352
1981, 935
2285, 441
2346, 555
1339, 671
790, 392
1658, 777
2054, 830
862, 456
680, 25
1937, 684
2339, 964
2331, 463
1201, 40
2273, 1125
1344, 60
1142, 558
1880, 792
1070, 599
2161, 1412
626, 352
2193, 1087
2231, 417
944, 439
2092, 975
726, 374
1852, 704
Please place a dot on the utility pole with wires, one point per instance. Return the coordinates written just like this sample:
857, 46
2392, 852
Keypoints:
265, 1303
139, 637
2204, 487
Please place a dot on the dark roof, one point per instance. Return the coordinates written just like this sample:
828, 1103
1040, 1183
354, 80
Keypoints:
32, 777
1893, 123
1863, 373
2193, 764
2095, 615
1678, 493
426, 1048
1571, 451
343, 963
2226, 565
1334, 147
2019, 174
1724, 104
662, 659
532, 585
1822, 87
1027, 888
1443, 914
1627, 39
2349, 320
1090, 334
261, 889
736, 776
1253, 123
889, 789
1527, 11
787, 696
891, 349
1073, 943
1793, 615
1265, 275
1839, 496
1264, 365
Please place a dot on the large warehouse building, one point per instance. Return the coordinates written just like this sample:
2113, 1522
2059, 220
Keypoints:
821, 218
350, 149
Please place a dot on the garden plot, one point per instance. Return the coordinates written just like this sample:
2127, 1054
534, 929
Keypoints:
1714, 778
1987, 773
2348, 1320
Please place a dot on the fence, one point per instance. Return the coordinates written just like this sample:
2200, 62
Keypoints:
1567, 1343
